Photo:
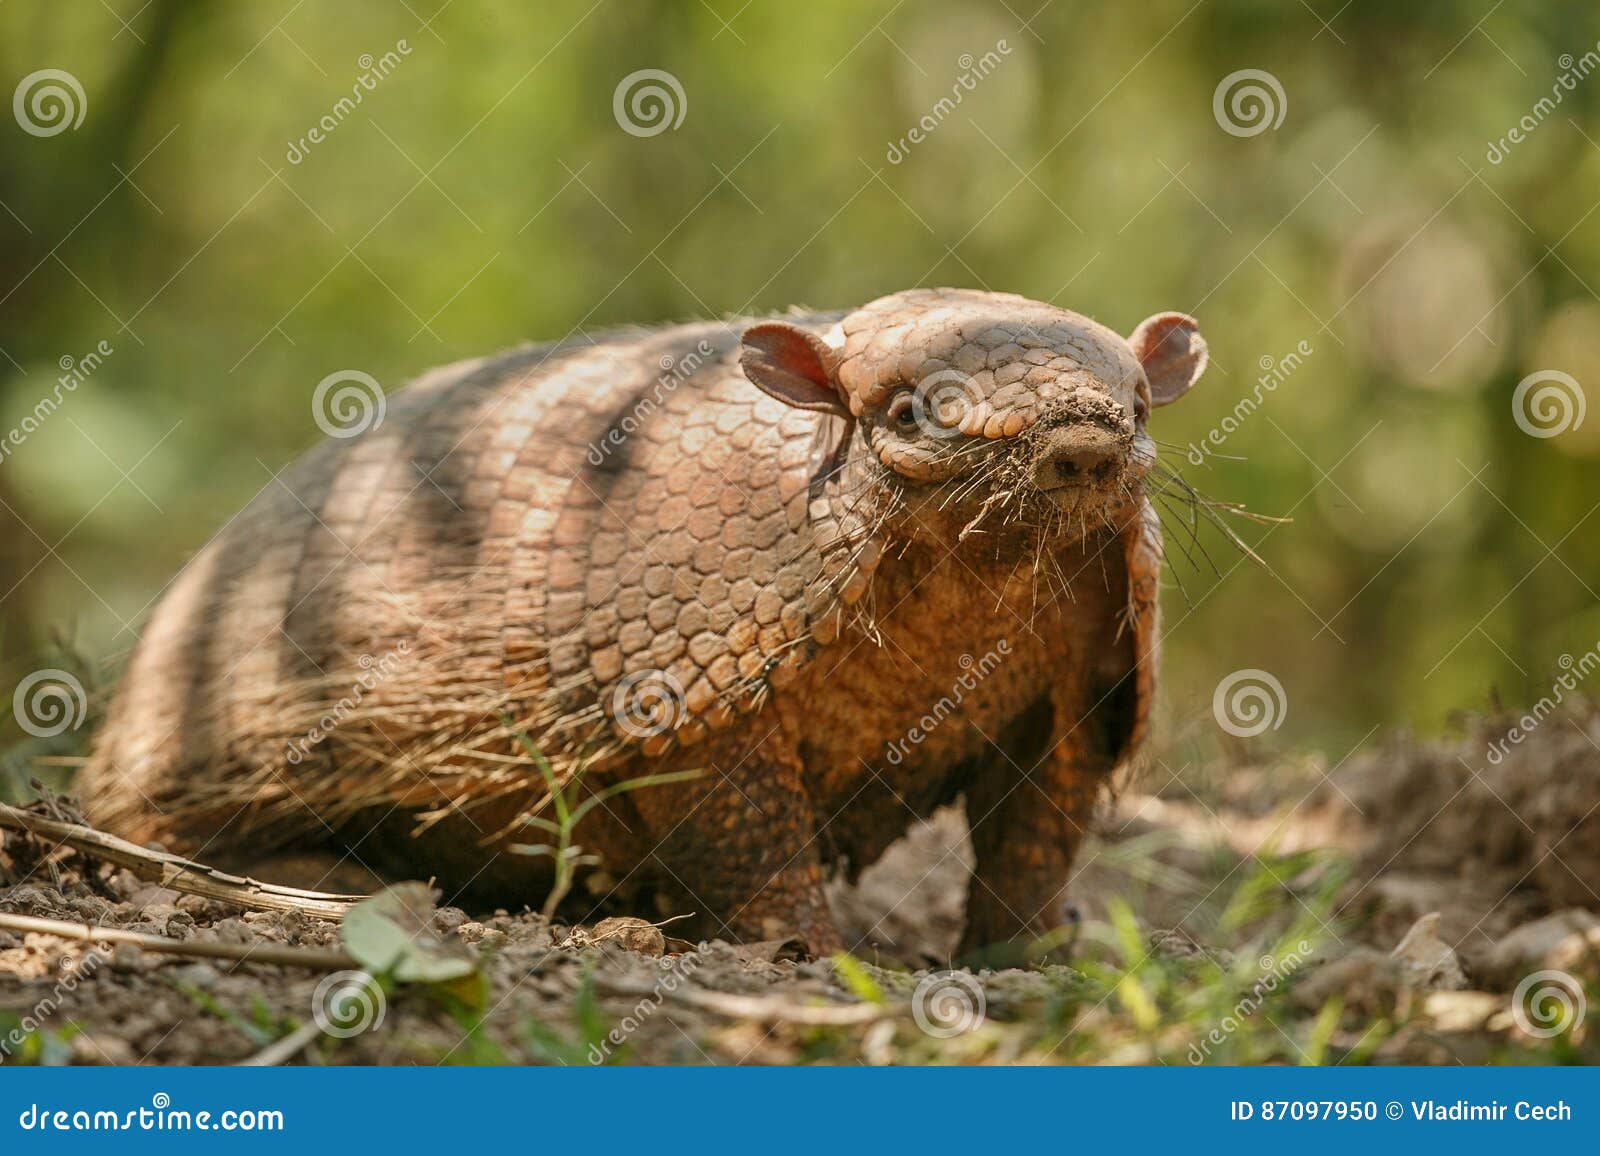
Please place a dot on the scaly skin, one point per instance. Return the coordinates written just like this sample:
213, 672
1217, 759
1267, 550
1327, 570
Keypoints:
765, 561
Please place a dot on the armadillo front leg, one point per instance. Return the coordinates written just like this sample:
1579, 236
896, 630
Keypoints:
1028, 816
744, 846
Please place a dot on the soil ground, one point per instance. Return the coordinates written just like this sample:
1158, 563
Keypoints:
1415, 902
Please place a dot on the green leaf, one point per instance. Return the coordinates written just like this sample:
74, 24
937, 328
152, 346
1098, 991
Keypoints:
1322, 1030
392, 934
855, 977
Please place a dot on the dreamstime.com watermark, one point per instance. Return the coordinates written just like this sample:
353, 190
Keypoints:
1273, 973
1547, 403
347, 1003
74, 970
948, 1004
674, 372
649, 102
348, 402
942, 401
1548, 1003
49, 702
975, 671
74, 372
373, 672
49, 102
1274, 372
1249, 102
1572, 71
671, 979
973, 69
1249, 702
1577, 669
373, 69
160, 1116
648, 703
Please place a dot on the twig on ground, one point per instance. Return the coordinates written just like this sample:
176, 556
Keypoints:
753, 1007
316, 958
176, 872
286, 1049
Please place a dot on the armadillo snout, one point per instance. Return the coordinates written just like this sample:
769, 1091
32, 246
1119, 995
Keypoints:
1084, 454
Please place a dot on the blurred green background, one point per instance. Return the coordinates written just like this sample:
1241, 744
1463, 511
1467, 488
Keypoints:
483, 192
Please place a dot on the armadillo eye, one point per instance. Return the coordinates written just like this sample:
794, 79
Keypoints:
902, 413
1141, 409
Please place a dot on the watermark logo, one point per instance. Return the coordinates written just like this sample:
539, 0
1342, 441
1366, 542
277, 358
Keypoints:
670, 980
49, 702
1575, 671
675, 371
1274, 372
1249, 702
1548, 1003
373, 672
347, 403
647, 703
74, 372
74, 970
347, 1003
1548, 403
1273, 972
1249, 102
155, 1118
974, 671
973, 69
49, 102
942, 402
649, 102
373, 69
948, 1004
1572, 71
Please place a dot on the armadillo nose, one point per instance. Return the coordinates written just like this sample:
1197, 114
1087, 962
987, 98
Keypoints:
1081, 464
1077, 456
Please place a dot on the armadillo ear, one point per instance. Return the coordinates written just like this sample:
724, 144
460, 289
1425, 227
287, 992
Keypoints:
1173, 354
794, 366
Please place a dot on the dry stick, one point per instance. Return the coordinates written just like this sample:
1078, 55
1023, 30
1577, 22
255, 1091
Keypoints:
176, 872
752, 1007
315, 958
283, 1050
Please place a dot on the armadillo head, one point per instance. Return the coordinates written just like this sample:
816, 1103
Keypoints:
986, 412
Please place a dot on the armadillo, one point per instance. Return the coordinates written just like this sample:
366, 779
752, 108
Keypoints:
844, 567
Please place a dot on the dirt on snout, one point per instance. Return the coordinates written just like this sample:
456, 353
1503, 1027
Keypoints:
1391, 908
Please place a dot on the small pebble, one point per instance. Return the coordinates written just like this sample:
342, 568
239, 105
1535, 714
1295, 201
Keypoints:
200, 975
448, 919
